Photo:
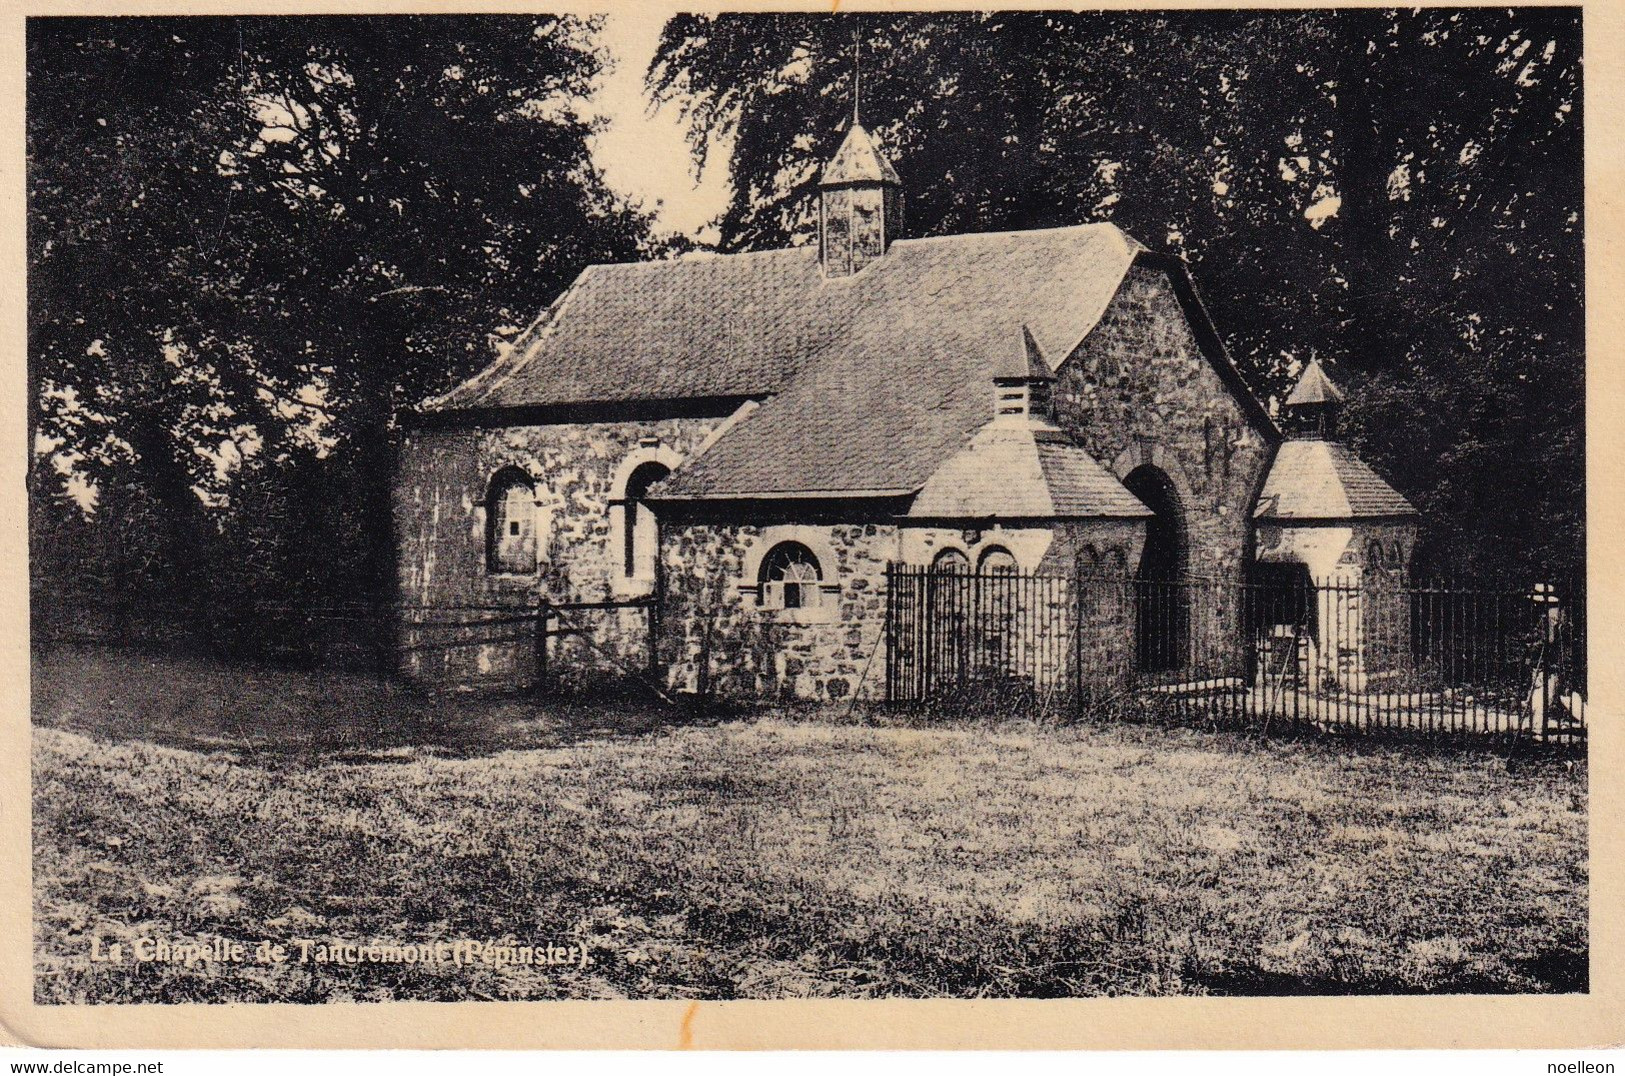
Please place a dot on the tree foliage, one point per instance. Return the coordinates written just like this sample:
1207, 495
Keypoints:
251, 241
1398, 193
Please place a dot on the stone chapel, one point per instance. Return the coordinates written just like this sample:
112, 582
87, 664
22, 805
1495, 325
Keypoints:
747, 441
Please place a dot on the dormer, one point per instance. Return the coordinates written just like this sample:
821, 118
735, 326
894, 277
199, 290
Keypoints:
1023, 394
860, 205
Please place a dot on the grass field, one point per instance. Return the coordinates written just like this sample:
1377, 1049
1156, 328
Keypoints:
782, 856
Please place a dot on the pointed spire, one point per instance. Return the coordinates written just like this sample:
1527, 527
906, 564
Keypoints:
1313, 405
860, 205
858, 160
1037, 366
1313, 387
857, 75
1021, 392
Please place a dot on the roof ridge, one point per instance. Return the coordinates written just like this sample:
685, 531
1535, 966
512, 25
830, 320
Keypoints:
702, 256
1090, 225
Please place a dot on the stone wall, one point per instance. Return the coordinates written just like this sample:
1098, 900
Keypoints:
440, 487
1139, 390
710, 618
1381, 625
970, 632
718, 639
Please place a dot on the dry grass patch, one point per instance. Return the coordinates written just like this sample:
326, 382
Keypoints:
782, 857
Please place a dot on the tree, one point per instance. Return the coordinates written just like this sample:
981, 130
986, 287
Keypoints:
252, 240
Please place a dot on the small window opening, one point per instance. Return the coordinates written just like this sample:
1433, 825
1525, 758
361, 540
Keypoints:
1012, 400
789, 578
996, 560
639, 528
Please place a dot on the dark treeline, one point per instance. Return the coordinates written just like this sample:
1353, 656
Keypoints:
253, 241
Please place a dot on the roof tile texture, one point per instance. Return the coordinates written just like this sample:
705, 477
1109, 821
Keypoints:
908, 377
1323, 480
1014, 468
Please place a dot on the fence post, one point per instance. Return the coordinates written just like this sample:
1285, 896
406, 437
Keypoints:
657, 601
544, 613
1079, 610
891, 630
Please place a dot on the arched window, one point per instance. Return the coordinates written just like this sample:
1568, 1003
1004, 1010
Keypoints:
510, 523
789, 578
996, 601
1373, 555
951, 560
996, 560
639, 532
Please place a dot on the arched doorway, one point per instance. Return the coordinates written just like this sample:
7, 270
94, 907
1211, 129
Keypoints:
1161, 609
1282, 622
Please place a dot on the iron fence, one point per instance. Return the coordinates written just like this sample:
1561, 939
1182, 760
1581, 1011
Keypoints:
1378, 653
987, 637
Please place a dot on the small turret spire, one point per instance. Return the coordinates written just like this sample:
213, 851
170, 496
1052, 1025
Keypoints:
1021, 391
860, 198
1314, 403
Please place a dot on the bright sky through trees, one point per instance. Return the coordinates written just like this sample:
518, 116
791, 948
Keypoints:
642, 151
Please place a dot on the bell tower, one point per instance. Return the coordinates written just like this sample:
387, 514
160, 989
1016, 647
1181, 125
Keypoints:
860, 205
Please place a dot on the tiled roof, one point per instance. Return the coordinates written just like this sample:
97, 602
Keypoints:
1080, 486
868, 382
745, 324
1323, 480
907, 378
1313, 387
736, 325
1017, 469
857, 161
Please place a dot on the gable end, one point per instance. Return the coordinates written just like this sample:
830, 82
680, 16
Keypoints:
1208, 340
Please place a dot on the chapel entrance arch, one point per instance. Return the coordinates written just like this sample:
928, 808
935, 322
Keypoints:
1162, 607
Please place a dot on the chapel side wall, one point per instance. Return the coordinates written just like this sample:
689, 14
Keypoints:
712, 620
1139, 390
442, 477
1362, 596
